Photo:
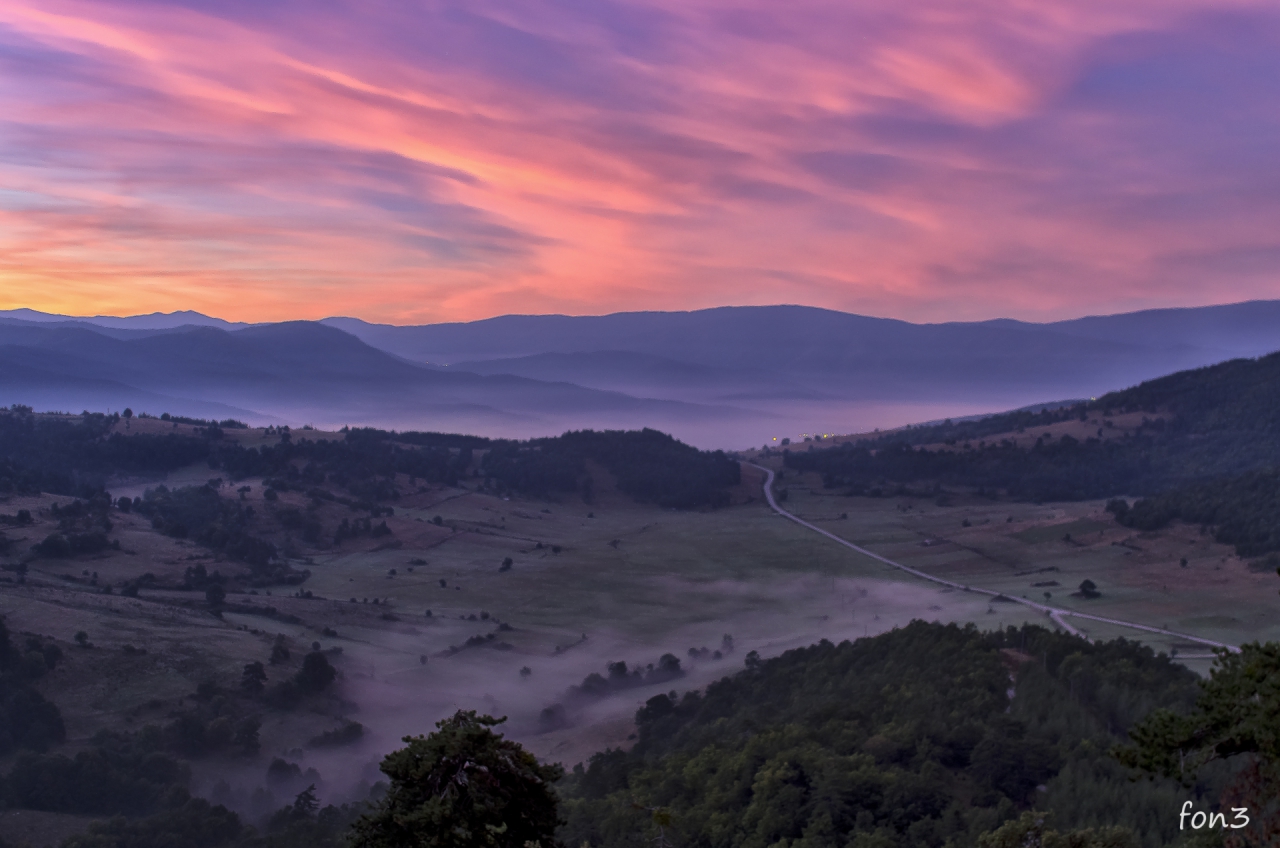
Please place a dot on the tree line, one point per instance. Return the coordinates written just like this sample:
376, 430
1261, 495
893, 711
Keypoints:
1242, 511
906, 739
76, 456
649, 466
929, 735
1206, 452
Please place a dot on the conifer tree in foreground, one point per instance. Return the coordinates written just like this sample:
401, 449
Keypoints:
463, 786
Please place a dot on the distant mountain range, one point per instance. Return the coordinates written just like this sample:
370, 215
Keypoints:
726, 377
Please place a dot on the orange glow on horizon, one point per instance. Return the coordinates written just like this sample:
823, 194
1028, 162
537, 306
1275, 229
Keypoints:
928, 162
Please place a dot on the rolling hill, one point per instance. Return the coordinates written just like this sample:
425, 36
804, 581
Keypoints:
724, 377
840, 352
296, 371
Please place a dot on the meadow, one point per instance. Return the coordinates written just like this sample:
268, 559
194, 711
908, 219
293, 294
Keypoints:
498, 602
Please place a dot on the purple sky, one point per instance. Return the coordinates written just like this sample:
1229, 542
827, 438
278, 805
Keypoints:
413, 162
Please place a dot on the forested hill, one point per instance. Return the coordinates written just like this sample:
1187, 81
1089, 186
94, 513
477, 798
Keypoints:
649, 466
906, 739
80, 455
928, 736
1241, 394
1187, 428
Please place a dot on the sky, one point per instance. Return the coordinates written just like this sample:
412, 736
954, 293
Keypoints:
414, 162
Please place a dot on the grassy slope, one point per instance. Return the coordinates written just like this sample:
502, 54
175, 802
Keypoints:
674, 580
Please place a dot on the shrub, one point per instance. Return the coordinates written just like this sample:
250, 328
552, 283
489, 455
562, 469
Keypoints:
316, 674
350, 733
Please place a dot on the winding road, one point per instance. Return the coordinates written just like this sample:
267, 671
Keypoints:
1054, 613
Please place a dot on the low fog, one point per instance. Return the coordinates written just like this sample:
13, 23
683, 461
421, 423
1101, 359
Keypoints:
388, 688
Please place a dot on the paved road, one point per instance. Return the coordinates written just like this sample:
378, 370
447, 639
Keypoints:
1054, 613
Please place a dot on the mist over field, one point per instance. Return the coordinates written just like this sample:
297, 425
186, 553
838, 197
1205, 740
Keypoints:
241, 623
639, 424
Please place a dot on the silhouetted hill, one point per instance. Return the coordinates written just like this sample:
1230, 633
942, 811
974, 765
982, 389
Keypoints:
154, 321
295, 371
731, 376
824, 352
49, 382
1195, 434
1235, 329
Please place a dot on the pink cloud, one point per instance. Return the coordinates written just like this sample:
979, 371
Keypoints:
441, 162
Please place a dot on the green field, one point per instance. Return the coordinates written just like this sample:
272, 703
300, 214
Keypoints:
588, 584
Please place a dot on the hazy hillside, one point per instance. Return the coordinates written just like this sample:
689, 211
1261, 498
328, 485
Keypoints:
875, 353
727, 377
819, 371
300, 372
1201, 445
154, 321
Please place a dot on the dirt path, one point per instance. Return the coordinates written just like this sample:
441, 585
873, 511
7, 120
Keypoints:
1054, 613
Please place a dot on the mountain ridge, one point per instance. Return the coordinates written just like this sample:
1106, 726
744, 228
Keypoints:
298, 371
722, 377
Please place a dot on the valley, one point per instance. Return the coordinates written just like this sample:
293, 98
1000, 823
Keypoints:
427, 618
639, 425
279, 607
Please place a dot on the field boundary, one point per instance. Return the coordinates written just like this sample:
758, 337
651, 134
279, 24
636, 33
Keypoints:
1055, 614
